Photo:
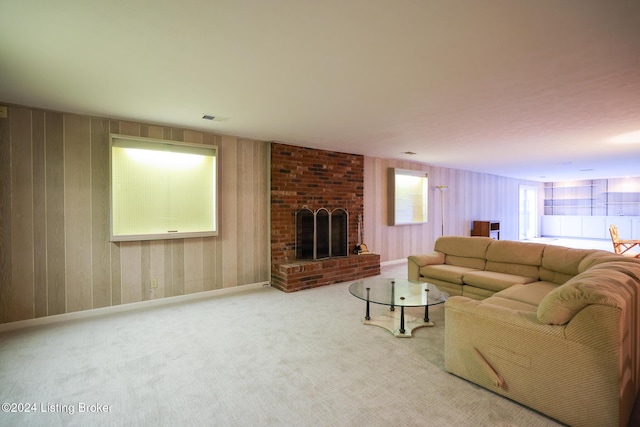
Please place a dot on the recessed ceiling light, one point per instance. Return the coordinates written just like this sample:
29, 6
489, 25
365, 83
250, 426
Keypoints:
410, 153
586, 170
564, 163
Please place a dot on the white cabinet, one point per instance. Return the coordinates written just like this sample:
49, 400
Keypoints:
551, 225
590, 227
595, 227
571, 225
635, 229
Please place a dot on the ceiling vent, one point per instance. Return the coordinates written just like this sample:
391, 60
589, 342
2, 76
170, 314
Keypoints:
215, 118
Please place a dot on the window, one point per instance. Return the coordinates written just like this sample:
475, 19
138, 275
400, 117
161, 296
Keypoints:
162, 189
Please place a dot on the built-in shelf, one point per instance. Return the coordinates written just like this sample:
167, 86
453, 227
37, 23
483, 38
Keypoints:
600, 197
587, 208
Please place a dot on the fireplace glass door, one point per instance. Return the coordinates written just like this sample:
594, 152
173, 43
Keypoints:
321, 234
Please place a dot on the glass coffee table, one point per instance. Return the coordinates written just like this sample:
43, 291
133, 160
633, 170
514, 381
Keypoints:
397, 293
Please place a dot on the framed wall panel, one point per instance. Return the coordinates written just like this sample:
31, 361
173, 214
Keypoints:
162, 189
408, 196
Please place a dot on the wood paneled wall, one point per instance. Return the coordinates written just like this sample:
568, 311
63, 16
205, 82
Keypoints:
470, 196
55, 253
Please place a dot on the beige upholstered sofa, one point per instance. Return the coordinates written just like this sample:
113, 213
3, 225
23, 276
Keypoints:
554, 328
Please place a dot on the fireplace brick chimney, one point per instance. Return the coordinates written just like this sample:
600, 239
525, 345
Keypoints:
316, 179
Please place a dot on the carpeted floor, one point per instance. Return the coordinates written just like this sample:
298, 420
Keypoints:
260, 357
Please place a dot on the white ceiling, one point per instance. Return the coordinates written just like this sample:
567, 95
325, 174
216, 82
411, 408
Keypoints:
531, 89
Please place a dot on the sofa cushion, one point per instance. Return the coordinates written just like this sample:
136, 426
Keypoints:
464, 251
472, 263
519, 258
531, 293
509, 303
494, 281
448, 273
476, 293
598, 285
599, 257
532, 271
512, 252
475, 247
560, 264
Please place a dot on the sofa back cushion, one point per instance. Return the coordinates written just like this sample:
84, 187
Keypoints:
519, 258
464, 251
560, 264
598, 257
614, 284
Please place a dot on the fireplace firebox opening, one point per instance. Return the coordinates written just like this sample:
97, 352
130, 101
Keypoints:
322, 233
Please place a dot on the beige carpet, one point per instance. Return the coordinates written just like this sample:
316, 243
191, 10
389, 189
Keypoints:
260, 358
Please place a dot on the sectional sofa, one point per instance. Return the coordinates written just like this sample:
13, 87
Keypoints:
553, 328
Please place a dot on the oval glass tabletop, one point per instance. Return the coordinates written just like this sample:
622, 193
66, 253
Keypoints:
397, 292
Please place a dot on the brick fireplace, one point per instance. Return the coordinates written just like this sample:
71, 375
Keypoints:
316, 179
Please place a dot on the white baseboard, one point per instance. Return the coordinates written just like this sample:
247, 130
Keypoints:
392, 262
86, 314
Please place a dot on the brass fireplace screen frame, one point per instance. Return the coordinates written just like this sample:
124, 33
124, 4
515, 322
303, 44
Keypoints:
322, 233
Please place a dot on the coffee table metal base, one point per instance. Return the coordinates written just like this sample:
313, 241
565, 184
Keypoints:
392, 321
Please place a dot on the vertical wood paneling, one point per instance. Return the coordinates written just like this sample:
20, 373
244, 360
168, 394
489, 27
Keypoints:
176, 134
77, 195
149, 131
156, 268
5, 219
246, 210
262, 215
56, 273
168, 269
470, 196
193, 266
192, 137
131, 267
219, 242
130, 128
145, 273
54, 176
22, 274
210, 245
193, 248
114, 248
130, 252
100, 214
392, 242
177, 267
39, 215
209, 264
229, 211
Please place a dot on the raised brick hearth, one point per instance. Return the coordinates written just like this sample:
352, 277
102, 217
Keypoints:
316, 179
295, 276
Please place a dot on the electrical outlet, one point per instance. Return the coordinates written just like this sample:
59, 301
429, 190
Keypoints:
3, 112
154, 283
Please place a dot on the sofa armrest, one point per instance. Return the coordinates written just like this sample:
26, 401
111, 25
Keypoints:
416, 261
511, 353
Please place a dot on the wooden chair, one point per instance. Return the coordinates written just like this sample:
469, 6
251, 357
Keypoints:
622, 246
